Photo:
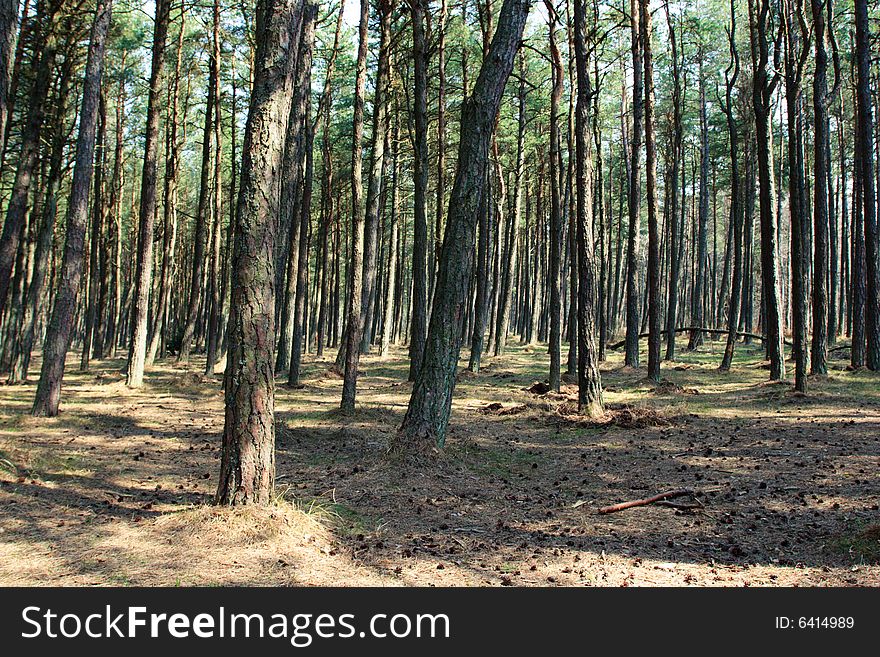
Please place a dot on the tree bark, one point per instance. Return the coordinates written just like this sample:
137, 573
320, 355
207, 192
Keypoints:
247, 467
8, 41
865, 140
57, 342
555, 207
651, 184
352, 335
736, 215
147, 212
427, 416
634, 193
589, 380
45, 50
763, 84
419, 299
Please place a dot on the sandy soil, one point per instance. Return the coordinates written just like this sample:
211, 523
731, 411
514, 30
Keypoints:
117, 489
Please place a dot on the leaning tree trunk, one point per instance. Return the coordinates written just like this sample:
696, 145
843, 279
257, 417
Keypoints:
144, 269
8, 39
33, 310
61, 323
247, 467
45, 49
429, 408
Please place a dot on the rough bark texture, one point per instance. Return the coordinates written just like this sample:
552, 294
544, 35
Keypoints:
736, 216
634, 194
352, 337
821, 145
419, 303
8, 39
555, 208
589, 380
374, 183
247, 468
696, 338
763, 84
60, 327
865, 140
427, 416
147, 213
651, 185
794, 61
673, 193
16, 210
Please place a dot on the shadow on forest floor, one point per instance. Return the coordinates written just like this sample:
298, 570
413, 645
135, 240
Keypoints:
116, 490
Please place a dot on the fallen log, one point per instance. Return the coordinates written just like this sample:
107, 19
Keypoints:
668, 495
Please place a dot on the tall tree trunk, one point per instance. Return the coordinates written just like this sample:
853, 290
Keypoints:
555, 207
214, 276
307, 41
651, 184
57, 342
352, 336
700, 289
429, 408
865, 140
634, 193
8, 40
374, 183
796, 52
115, 204
673, 192
247, 466
169, 209
287, 251
95, 246
203, 212
589, 380
511, 250
391, 297
34, 303
43, 62
736, 215
821, 159
763, 85
419, 299
147, 212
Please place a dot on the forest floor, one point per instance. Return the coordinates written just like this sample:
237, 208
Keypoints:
116, 490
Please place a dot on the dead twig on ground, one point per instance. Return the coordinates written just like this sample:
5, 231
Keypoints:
668, 495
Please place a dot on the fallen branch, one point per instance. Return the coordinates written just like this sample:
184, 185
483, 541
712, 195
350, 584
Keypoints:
700, 329
668, 495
